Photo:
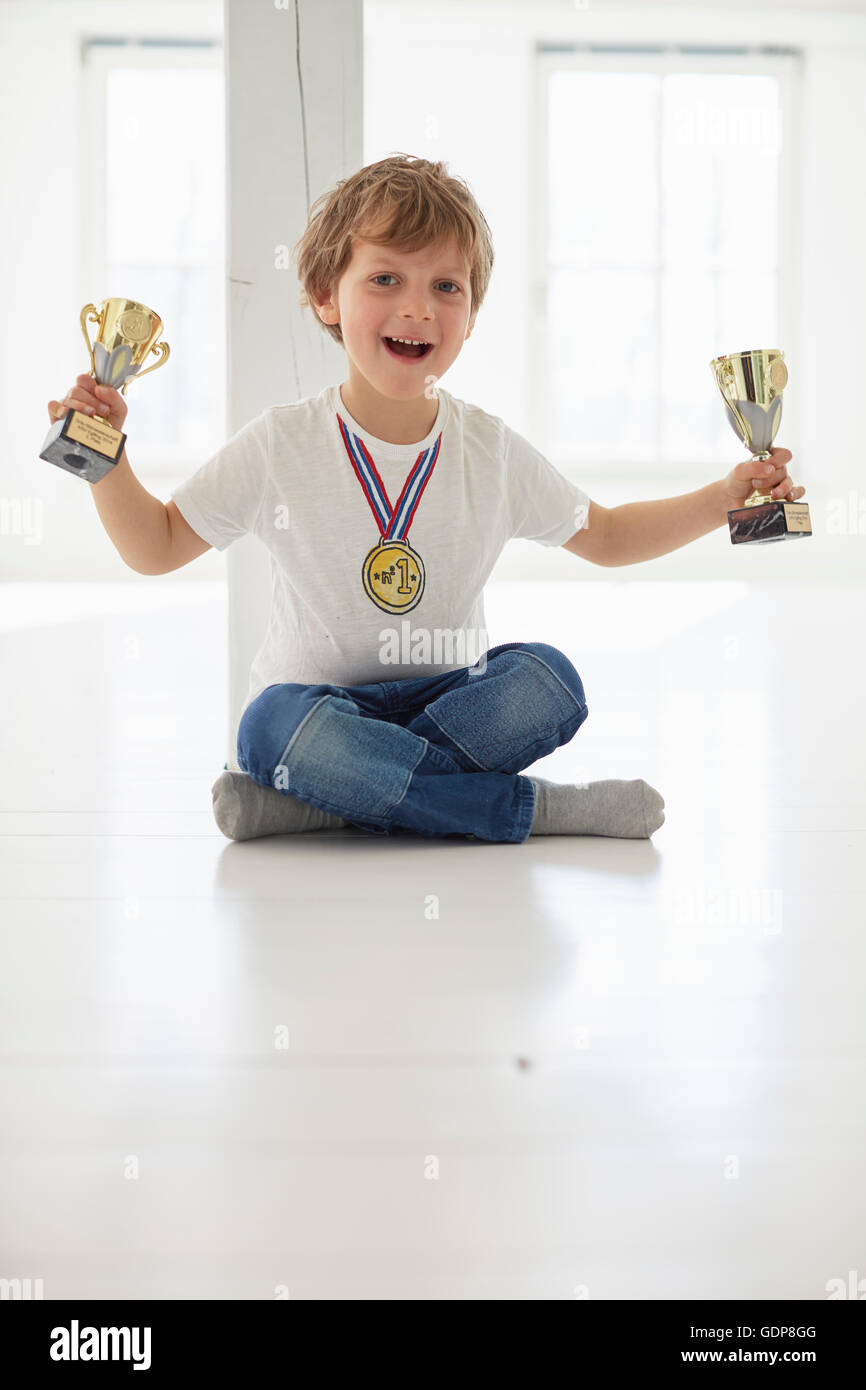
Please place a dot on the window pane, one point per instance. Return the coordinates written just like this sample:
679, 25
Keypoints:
705, 313
188, 409
747, 306
720, 170
165, 211
692, 413
633, 324
602, 390
603, 168
164, 165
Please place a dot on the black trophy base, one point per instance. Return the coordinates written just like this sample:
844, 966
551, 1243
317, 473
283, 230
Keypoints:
770, 521
84, 445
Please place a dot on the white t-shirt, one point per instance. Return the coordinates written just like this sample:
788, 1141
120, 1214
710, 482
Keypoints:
287, 477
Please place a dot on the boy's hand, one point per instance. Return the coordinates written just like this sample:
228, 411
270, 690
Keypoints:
743, 479
91, 399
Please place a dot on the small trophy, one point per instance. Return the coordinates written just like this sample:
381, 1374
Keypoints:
126, 335
751, 386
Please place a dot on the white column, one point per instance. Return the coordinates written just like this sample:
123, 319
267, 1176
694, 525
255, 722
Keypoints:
294, 124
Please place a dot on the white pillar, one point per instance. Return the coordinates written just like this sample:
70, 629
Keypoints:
294, 125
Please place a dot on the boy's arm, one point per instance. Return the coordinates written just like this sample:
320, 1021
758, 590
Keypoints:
644, 530
150, 537
591, 541
185, 543
136, 521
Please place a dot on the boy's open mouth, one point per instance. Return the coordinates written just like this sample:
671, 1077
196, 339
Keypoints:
407, 350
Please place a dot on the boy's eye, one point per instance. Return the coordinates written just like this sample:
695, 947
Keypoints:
386, 275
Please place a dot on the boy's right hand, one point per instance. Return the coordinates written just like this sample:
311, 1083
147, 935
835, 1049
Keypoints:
91, 399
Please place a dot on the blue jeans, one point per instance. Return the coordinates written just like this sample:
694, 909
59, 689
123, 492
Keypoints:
438, 755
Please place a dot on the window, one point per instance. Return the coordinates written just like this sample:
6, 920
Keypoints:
664, 242
154, 208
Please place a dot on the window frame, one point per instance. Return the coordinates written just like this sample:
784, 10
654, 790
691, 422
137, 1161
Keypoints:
784, 64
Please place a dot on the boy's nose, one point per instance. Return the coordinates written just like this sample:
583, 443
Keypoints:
416, 310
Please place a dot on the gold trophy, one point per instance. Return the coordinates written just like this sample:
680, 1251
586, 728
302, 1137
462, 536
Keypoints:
126, 334
751, 386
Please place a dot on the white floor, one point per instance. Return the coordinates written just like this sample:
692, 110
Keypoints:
333, 1066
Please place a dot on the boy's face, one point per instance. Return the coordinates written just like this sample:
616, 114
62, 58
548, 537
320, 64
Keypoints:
386, 293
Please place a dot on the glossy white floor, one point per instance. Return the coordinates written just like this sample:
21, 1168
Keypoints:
336, 1067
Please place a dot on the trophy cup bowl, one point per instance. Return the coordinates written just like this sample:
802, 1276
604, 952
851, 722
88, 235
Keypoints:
751, 386
126, 335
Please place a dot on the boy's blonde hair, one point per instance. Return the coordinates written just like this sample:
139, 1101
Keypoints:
400, 201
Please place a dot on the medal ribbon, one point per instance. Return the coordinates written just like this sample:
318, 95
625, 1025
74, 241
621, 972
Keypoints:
393, 522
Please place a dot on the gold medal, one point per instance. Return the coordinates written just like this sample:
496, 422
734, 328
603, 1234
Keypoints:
393, 575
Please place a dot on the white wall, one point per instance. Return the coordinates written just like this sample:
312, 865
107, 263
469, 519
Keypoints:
470, 66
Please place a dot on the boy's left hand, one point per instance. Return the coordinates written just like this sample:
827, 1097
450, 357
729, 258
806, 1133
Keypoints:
742, 480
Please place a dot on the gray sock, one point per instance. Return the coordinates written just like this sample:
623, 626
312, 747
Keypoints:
625, 810
244, 810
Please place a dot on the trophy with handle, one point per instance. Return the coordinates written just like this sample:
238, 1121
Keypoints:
126, 334
751, 386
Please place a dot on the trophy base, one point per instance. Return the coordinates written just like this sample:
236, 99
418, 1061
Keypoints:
773, 520
84, 445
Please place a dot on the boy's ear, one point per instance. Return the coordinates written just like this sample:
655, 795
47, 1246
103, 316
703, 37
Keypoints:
327, 310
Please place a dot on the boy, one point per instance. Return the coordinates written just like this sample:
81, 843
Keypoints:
386, 496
